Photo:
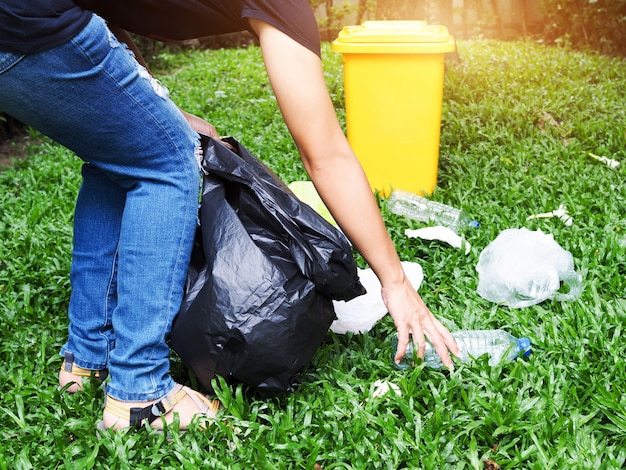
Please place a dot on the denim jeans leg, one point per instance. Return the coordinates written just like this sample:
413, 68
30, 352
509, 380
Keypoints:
91, 96
97, 225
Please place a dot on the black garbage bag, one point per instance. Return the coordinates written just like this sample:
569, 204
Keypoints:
264, 271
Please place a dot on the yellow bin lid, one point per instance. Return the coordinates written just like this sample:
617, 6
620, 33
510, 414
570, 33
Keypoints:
399, 37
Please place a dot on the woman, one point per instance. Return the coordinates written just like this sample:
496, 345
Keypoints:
63, 73
289, 40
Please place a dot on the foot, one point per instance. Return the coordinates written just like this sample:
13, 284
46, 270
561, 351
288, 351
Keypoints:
70, 373
188, 404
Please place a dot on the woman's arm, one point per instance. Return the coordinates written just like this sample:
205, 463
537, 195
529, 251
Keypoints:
297, 79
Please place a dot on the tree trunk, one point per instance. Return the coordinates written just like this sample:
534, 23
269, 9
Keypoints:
400, 9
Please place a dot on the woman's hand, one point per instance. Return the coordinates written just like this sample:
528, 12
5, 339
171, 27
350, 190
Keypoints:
200, 125
412, 317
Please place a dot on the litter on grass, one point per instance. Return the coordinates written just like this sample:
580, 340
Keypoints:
561, 213
440, 233
522, 268
611, 163
382, 388
361, 313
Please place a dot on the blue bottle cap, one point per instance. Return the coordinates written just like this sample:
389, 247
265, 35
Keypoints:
523, 346
474, 224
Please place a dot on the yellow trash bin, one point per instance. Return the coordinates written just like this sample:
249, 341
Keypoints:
393, 86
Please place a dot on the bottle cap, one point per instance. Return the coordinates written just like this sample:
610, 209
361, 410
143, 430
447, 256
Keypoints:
474, 224
523, 346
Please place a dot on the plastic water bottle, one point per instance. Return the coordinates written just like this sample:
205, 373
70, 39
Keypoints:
425, 210
498, 344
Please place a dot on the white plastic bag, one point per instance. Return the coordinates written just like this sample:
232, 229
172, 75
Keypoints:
361, 313
522, 268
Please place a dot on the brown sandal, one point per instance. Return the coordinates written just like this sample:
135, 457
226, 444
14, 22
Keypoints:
137, 417
70, 373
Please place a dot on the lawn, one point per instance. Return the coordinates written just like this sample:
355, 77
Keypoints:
520, 121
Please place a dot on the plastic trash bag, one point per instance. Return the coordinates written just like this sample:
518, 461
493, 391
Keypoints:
361, 314
522, 268
264, 271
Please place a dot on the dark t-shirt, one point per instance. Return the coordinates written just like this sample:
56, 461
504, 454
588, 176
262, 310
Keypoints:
29, 26
191, 19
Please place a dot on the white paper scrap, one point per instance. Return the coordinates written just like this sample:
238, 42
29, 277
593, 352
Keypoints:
561, 213
382, 388
443, 234
610, 162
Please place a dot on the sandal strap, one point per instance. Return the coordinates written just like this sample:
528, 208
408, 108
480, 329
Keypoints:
69, 366
204, 404
137, 416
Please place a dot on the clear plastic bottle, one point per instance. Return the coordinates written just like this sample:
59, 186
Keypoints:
498, 344
425, 210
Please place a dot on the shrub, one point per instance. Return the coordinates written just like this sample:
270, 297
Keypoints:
587, 24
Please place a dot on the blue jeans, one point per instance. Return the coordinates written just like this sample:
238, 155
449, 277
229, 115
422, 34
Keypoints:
136, 211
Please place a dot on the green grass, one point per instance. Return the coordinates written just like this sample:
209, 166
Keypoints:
519, 121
